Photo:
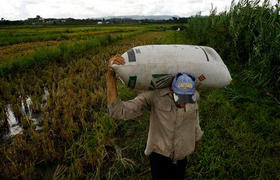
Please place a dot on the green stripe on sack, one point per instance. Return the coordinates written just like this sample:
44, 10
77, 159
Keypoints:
163, 84
166, 78
160, 81
132, 82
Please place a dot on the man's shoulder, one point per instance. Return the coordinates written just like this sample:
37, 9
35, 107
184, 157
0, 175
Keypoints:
147, 94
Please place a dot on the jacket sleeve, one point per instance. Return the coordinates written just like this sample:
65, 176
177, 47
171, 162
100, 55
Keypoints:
130, 109
198, 131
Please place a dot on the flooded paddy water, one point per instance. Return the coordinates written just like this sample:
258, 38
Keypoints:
14, 122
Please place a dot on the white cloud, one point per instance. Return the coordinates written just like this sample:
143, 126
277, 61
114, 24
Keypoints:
23, 9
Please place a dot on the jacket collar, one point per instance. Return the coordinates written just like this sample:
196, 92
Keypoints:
164, 91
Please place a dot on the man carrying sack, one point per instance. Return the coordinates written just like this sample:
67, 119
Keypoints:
174, 121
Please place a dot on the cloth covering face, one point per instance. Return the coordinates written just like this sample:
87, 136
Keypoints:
173, 131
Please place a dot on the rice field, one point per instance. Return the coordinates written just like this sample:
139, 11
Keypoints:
14, 35
53, 115
39, 91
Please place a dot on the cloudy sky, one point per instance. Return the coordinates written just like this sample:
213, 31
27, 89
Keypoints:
23, 9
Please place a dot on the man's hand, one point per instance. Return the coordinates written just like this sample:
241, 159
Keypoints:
196, 147
117, 59
112, 93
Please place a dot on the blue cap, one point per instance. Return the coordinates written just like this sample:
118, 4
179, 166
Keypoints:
183, 86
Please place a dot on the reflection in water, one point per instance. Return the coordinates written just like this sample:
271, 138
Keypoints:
15, 128
14, 125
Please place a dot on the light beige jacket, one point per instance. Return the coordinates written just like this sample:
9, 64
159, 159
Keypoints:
173, 131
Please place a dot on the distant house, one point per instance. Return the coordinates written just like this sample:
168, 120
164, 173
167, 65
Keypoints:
99, 22
49, 22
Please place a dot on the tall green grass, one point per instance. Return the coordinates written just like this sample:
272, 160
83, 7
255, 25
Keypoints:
241, 122
248, 38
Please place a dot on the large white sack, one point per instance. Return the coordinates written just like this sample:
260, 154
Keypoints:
152, 66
